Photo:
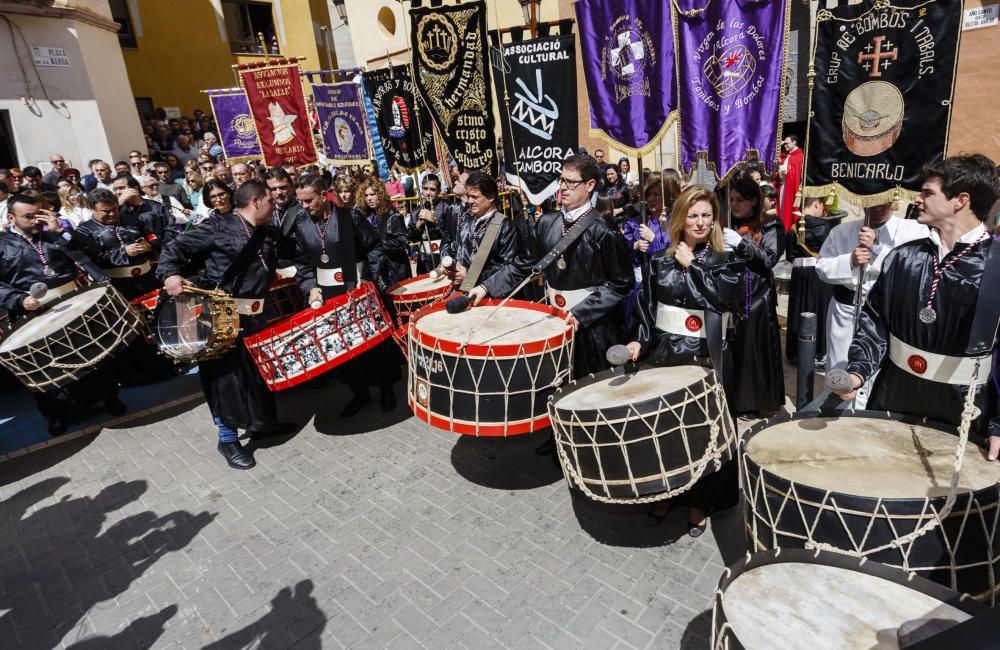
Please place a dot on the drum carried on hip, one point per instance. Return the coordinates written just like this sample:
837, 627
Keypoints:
315, 341
796, 599
489, 370
197, 325
876, 486
624, 435
70, 338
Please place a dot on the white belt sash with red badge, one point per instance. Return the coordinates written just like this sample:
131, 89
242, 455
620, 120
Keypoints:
685, 322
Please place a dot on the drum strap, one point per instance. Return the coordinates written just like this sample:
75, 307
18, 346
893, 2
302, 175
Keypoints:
485, 246
249, 251
564, 243
986, 319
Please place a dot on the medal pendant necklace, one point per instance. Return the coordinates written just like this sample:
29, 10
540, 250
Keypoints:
323, 258
561, 262
47, 270
927, 315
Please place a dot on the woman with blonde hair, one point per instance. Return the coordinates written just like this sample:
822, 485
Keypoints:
694, 282
73, 205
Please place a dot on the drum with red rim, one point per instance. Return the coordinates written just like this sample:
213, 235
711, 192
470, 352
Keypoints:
410, 295
489, 370
146, 301
315, 341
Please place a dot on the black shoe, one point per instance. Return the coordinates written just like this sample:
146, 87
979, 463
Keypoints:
547, 448
697, 530
57, 425
388, 400
236, 455
115, 406
273, 430
356, 404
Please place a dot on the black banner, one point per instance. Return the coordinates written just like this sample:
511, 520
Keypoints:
881, 104
541, 84
453, 79
406, 142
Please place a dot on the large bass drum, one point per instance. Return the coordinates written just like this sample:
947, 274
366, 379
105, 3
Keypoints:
70, 338
624, 434
197, 325
489, 370
803, 600
413, 293
874, 485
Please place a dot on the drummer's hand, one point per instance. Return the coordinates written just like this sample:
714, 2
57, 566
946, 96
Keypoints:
683, 254
994, 447
51, 220
646, 233
857, 383
641, 245
457, 273
427, 215
31, 304
477, 294
635, 349
860, 256
174, 285
867, 237
315, 295
129, 194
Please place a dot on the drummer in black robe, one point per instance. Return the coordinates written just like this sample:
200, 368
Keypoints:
133, 206
126, 246
235, 391
286, 207
806, 292
760, 388
915, 326
333, 244
430, 224
480, 194
693, 281
590, 280
29, 256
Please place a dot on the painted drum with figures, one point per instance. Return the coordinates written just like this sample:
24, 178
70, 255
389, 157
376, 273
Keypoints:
489, 370
316, 341
875, 486
626, 433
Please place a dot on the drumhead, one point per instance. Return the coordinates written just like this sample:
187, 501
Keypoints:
509, 325
420, 285
868, 457
55, 319
622, 390
183, 325
813, 606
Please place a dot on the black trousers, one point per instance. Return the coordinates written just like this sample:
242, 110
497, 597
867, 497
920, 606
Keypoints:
235, 391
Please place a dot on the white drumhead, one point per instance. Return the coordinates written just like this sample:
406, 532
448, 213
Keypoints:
55, 319
492, 325
421, 284
815, 607
869, 457
647, 383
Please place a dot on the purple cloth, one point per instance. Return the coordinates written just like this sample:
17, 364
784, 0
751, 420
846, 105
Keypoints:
628, 62
730, 61
661, 239
342, 122
237, 133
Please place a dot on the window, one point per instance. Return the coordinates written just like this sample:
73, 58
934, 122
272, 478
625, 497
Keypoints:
119, 13
244, 19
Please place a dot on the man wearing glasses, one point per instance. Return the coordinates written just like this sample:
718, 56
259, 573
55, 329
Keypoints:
58, 162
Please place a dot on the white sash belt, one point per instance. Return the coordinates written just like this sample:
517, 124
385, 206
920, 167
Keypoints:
122, 272
333, 277
249, 306
57, 292
685, 322
568, 298
432, 247
800, 262
941, 368
287, 272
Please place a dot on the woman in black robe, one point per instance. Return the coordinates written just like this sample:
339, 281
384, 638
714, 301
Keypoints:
695, 278
392, 265
757, 351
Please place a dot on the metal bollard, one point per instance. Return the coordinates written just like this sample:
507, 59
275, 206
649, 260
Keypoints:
807, 359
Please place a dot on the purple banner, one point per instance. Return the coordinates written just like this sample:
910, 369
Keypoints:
730, 60
342, 123
628, 61
237, 134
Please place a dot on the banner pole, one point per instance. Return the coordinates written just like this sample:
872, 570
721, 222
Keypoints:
506, 100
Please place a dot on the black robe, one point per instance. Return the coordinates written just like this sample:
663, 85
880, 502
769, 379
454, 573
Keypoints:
441, 230
716, 285
287, 252
21, 267
892, 308
806, 292
234, 389
111, 252
598, 258
505, 249
391, 263
757, 359
155, 217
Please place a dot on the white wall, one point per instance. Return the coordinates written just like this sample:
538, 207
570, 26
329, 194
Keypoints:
99, 118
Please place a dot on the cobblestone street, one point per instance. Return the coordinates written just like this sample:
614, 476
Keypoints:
372, 532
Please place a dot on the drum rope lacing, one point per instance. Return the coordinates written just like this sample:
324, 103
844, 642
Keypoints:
721, 431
